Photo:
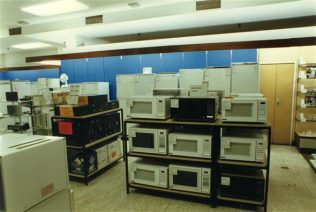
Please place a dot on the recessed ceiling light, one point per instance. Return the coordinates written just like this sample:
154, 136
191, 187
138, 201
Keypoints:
34, 45
55, 8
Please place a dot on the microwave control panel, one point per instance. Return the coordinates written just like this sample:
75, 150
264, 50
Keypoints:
260, 150
163, 176
262, 110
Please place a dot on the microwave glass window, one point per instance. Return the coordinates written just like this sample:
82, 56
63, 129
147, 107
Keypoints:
185, 178
184, 145
142, 107
145, 140
238, 149
1, 191
143, 174
240, 110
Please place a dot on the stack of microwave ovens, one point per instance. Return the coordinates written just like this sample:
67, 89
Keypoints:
245, 145
164, 141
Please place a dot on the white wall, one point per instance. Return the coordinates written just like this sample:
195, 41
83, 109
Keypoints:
17, 59
287, 54
1, 60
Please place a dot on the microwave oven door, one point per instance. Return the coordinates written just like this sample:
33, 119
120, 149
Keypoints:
185, 178
238, 149
189, 145
145, 174
240, 110
143, 108
143, 140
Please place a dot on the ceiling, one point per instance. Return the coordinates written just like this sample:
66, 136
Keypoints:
122, 23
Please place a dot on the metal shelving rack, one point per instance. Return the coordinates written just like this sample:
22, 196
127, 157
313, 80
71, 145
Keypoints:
214, 163
86, 146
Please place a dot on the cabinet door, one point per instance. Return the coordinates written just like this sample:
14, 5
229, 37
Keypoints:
283, 103
267, 88
245, 78
276, 83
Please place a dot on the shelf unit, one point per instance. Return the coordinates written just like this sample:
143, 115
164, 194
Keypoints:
265, 165
305, 124
85, 147
210, 127
214, 163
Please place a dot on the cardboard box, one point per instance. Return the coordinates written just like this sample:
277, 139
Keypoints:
72, 110
102, 157
114, 150
60, 98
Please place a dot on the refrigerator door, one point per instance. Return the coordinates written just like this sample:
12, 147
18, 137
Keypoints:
62, 202
245, 78
125, 85
188, 77
219, 79
167, 80
144, 84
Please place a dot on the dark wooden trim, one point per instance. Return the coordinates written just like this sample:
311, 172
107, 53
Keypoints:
308, 41
25, 68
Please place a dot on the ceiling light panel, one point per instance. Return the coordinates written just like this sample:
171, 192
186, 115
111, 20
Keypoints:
33, 45
55, 8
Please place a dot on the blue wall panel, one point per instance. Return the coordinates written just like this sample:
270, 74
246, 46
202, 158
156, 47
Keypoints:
3, 75
171, 62
32, 75
151, 60
244, 55
81, 70
194, 59
67, 67
112, 67
131, 64
219, 58
95, 70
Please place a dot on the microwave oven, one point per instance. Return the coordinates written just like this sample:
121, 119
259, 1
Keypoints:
194, 108
247, 184
192, 145
148, 140
244, 147
41, 161
149, 107
244, 109
192, 179
149, 173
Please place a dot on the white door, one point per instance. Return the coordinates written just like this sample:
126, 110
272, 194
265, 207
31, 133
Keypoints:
144, 84
125, 85
167, 81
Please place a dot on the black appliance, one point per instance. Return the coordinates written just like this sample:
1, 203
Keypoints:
11, 96
194, 108
248, 184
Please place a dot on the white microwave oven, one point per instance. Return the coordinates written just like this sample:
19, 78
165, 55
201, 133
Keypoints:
32, 169
187, 178
148, 140
192, 145
149, 107
149, 173
250, 147
244, 109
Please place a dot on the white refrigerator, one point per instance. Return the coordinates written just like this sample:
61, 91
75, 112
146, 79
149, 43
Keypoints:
188, 77
218, 79
245, 78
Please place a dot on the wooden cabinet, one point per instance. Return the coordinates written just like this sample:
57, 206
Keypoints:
277, 84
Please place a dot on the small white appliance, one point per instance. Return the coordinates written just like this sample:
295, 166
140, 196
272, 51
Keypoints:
149, 173
170, 92
192, 179
243, 146
191, 145
244, 109
151, 107
41, 161
148, 140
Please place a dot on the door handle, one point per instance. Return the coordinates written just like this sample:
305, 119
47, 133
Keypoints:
278, 101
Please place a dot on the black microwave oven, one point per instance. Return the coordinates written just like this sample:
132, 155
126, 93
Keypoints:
247, 184
194, 108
